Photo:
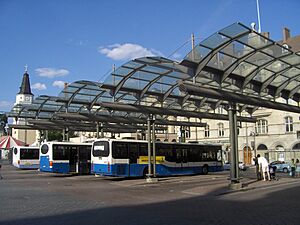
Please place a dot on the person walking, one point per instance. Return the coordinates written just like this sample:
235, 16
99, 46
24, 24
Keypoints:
297, 167
293, 168
257, 169
264, 166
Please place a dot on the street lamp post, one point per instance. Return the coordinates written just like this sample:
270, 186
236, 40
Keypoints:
252, 133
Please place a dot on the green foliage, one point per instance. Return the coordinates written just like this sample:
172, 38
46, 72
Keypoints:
55, 135
3, 122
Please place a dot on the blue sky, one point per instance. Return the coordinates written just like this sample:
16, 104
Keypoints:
69, 40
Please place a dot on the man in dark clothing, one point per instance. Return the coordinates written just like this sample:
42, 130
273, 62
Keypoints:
257, 169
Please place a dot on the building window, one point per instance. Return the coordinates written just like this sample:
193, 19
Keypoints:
261, 127
288, 124
296, 147
206, 131
221, 129
187, 132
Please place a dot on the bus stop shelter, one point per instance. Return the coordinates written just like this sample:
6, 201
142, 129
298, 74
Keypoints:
236, 68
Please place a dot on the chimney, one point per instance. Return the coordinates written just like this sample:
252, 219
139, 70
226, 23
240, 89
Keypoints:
286, 34
266, 34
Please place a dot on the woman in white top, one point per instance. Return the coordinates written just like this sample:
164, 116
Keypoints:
264, 166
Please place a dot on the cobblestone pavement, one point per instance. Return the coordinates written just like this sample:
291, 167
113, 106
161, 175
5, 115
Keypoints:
31, 197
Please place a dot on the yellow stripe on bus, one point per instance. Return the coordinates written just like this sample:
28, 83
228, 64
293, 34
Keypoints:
144, 159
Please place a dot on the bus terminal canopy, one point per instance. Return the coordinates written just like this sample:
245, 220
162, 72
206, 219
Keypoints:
235, 65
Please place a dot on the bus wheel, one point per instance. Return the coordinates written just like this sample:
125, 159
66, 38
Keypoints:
205, 169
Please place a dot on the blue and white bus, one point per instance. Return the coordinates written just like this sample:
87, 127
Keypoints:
65, 157
26, 157
129, 158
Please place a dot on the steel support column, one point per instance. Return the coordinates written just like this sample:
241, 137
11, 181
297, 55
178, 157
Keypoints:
234, 155
102, 131
97, 130
153, 146
64, 134
149, 145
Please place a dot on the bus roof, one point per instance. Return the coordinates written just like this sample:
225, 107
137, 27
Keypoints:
65, 143
143, 141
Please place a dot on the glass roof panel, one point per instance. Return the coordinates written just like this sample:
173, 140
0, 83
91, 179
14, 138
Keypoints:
221, 61
167, 80
135, 83
277, 66
133, 64
141, 75
292, 85
259, 59
276, 51
236, 49
214, 41
113, 79
234, 30
122, 71
159, 88
263, 75
198, 53
244, 68
292, 72
155, 69
176, 75
254, 40
292, 59
176, 91
279, 80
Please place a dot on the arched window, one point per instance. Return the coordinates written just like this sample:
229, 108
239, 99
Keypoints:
279, 148
221, 129
262, 147
206, 131
296, 146
288, 124
261, 127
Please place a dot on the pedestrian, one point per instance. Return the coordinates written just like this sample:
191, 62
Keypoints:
297, 167
293, 168
257, 170
0, 173
264, 166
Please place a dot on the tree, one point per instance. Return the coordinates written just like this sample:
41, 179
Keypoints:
56, 135
3, 122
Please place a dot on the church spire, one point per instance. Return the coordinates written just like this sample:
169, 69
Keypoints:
25, 86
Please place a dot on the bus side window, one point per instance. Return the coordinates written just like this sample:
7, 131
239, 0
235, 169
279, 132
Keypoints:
133, 152
165, 150
120, 150
143, 149
178, 151
194, 154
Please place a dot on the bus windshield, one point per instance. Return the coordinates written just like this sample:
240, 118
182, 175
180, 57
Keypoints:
100, 148
26, 153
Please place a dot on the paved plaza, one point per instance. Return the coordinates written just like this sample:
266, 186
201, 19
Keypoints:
30, 197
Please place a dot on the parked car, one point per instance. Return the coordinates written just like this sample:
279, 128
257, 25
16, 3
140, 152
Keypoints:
281, 166
242, 166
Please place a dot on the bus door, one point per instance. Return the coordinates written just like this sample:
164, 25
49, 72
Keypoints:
181, 157
132, 155
184, 161
84, 161
73, 161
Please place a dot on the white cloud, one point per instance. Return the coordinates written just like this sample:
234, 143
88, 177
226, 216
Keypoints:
127, 51
5, 104
51, 72
39, 86
59, 83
